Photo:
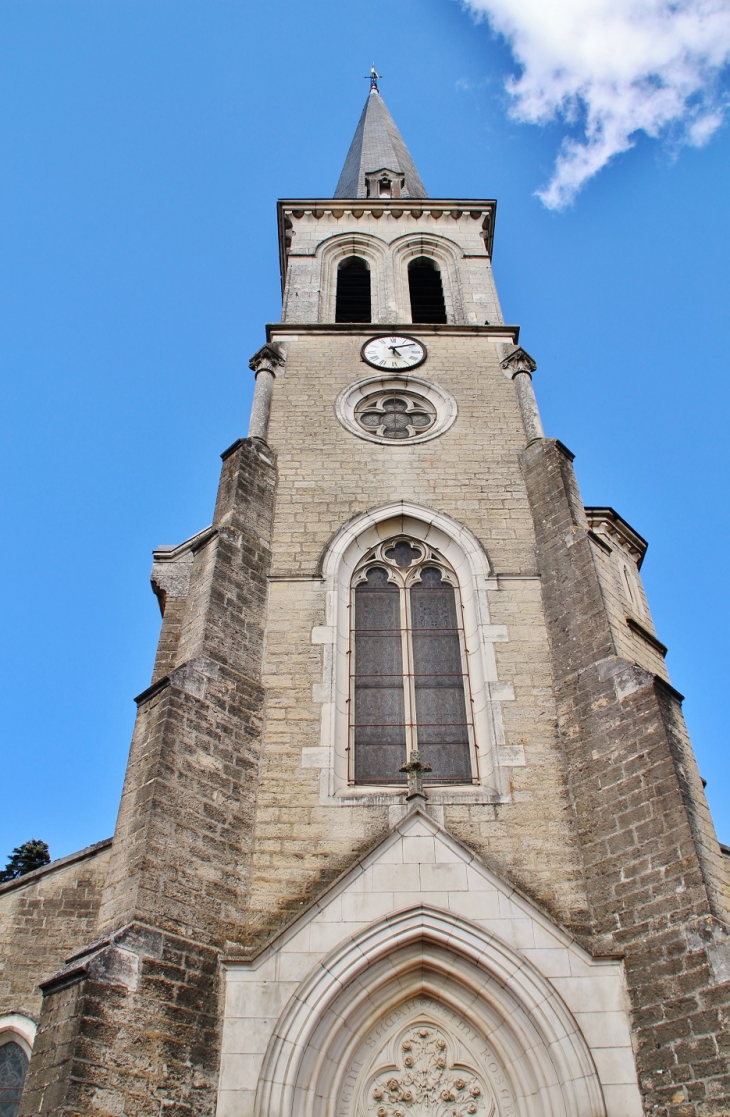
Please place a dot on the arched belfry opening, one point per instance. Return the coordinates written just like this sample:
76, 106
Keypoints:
426, 290
353, 291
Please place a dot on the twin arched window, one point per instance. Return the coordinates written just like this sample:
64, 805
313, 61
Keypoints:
353, 300
409, 684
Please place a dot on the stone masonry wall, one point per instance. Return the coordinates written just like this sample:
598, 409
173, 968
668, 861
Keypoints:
131, 1025
466, 268
187, 808
168, 644
629, 644
657, 888
44, 917
327, 476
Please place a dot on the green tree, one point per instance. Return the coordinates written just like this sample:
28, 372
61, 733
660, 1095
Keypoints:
31, 855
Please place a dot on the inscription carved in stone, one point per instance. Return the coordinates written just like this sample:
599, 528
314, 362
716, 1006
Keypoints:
426, 1084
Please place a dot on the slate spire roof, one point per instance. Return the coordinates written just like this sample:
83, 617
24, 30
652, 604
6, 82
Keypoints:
376, 146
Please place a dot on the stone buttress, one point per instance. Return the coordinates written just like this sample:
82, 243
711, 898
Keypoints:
132, 1022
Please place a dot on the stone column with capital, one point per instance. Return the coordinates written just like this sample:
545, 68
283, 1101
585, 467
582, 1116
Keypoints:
520, 366
264, 364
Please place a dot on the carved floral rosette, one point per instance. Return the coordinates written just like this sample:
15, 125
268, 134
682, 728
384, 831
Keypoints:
426, 1083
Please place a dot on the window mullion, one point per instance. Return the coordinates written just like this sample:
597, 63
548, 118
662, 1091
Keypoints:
409, 693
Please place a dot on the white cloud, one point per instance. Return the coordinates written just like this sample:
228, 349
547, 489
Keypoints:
610, 69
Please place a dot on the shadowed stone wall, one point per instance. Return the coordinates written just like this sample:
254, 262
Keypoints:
657, 887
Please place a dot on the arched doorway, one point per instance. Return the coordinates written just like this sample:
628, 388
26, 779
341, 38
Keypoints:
424, 1015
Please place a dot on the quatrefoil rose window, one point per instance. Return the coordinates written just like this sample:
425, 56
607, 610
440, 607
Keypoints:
395, 410
396, 415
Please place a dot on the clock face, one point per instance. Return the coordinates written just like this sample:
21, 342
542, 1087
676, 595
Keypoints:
394, 352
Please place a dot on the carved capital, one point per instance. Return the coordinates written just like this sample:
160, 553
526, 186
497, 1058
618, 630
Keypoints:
269, 357
519, 360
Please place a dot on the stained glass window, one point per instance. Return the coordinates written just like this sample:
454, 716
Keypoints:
438, 678
13, 1068
378, 689
410, 687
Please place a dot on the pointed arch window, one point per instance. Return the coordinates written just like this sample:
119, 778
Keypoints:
13, 1069
426, 291
409, 686
353, 303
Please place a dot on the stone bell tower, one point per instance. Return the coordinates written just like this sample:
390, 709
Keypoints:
411, 823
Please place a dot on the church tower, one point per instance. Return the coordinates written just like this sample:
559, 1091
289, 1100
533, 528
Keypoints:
411, 825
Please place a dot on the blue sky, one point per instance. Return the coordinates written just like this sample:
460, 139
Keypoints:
143, 147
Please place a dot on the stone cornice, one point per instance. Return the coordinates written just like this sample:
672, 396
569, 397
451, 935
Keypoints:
290, 210
608, 522
508, 335
174, 553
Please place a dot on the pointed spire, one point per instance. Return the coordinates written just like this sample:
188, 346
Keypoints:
378, 155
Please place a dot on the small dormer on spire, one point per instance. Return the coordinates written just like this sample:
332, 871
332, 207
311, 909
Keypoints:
378, 164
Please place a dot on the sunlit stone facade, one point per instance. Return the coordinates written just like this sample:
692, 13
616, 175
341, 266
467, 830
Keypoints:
411, 823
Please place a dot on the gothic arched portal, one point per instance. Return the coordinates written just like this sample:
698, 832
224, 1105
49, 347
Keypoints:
424, 1015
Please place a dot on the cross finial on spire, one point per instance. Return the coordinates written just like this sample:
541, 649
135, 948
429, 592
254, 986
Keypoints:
373, 79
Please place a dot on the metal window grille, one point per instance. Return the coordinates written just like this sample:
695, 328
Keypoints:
409, 678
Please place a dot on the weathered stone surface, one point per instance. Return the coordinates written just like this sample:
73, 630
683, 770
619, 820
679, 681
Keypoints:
656, 884
132, 1026
44, 916
182, 840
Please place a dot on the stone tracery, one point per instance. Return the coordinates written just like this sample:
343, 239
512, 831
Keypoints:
426, 1084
